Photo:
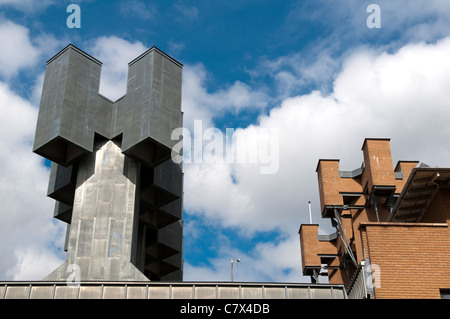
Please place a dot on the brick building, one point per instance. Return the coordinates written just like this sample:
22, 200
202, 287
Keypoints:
392, 236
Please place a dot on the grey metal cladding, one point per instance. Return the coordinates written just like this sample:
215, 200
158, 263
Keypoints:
63, 212
66, 124
154, 98
161, 185
120, 112
174, 265
158, 217
168, 176
72, 110
173, 208
175, 275
112, 175
103, 114
100, 239
167, 235
62, 183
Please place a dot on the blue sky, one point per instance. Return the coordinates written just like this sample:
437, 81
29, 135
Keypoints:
312, 70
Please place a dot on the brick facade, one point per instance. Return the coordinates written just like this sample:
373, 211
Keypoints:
396, 219
413, 260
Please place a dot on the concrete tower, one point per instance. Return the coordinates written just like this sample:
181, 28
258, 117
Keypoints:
112, 175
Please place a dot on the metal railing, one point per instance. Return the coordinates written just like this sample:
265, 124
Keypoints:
361, 286
161, 290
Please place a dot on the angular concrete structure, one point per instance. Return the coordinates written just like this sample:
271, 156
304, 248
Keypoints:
112, 175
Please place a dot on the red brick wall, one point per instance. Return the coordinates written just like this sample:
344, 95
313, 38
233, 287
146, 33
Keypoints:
378, 161
413, 259
309, 246
439, 209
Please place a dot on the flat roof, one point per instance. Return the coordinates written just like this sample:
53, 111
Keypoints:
403, 161
326, 160
168, 290
153, 48
71, 46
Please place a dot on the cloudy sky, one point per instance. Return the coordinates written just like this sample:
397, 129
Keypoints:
296, 80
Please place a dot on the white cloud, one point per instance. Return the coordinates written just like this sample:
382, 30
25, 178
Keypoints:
295, 72
26, 213
19, 51
34, 263
403, 96
342, 26
414, 20
406, 93
115, 53
264, 262
137, 9
199, 104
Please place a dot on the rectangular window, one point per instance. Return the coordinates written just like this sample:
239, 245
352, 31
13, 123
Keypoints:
445, 293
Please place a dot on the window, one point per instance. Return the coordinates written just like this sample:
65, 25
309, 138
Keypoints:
445, 293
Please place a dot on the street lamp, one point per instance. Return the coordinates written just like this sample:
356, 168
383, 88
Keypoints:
232, 261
